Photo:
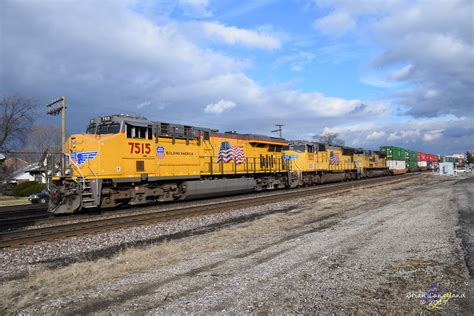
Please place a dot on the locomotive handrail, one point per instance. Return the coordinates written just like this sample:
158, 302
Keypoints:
96, 178
296, 164
77, 167
95, 175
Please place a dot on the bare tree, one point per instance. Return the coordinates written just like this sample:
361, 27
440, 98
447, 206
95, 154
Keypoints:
329, 139
16, 118
42, 139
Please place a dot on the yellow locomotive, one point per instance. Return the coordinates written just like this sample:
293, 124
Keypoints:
370, 163
131, 160
320, 163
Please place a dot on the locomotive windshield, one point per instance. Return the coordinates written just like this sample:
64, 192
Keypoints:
91, 128
108, 128
103, 128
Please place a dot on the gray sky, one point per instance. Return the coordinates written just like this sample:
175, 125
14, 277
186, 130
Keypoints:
377, 72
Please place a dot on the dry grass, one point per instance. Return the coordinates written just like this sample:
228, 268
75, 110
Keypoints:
7, 200
377, 191
47, 284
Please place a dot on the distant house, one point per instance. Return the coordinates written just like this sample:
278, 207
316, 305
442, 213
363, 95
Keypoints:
31, 172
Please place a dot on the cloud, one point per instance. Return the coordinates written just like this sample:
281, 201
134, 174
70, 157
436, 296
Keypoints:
109, 58
376, 135
232, 35
196, 8
219, 107
402, 73
430, 44
245, 7
319, 105
433, 135
337, 23
441, 136
143, 104
296, 61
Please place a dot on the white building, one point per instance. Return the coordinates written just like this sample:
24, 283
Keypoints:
31, 172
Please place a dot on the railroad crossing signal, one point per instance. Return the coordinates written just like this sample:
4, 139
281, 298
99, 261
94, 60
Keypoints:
61, 109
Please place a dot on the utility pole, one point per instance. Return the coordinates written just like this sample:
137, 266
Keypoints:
56, 111
279, 130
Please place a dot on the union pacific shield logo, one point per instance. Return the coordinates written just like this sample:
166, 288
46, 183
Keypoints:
227, 152
81, 157
160, 152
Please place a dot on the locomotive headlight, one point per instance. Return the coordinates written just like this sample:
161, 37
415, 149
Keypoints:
73, 142
68, 172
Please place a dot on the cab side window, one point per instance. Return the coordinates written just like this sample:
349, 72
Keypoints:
140, 132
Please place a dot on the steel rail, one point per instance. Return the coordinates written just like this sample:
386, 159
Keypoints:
18, 238
15, 209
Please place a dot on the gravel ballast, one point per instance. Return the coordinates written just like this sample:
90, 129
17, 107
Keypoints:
370, 250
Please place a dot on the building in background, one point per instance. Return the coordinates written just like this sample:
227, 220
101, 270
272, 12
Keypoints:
446, 169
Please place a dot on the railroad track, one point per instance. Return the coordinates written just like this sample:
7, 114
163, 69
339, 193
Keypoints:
21, 215
19, 238
14, 210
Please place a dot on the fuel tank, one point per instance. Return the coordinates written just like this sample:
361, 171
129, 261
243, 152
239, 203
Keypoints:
209, 188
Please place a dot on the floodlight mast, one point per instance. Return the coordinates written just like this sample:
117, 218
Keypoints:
56, 111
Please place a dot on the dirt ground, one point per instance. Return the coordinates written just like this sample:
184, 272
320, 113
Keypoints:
377, 250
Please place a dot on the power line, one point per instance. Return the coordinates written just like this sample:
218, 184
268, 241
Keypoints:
279, 130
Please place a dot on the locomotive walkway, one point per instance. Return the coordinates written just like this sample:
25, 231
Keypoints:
61, 231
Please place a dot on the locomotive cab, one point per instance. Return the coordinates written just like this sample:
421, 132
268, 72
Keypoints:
74, 176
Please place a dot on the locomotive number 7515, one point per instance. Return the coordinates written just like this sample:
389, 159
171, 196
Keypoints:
139, 148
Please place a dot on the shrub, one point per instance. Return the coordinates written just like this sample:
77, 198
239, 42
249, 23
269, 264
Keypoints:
28, 188
6, 188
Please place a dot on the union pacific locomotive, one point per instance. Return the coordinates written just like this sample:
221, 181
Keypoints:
125, 159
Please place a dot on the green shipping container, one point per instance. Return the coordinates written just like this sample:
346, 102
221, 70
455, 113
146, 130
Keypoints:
394, 153
412, 165
412, 155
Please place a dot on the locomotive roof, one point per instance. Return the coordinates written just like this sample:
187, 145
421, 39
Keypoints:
307, 142
141, 120
302, 142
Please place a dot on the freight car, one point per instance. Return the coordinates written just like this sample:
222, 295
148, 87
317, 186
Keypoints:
396, 159
131, 160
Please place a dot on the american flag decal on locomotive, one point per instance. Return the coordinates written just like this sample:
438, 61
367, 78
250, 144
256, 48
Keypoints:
227, 152
333, 158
